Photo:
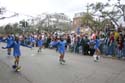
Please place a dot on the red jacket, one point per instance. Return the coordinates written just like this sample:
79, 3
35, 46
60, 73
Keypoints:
120, 45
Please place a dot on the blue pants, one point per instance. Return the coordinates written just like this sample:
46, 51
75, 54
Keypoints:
119, 53
111, 50
123, 51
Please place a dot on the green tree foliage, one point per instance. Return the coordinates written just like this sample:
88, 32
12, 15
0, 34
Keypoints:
87, 20
107, 10
2, 10
8, 29
16, 28
24, 23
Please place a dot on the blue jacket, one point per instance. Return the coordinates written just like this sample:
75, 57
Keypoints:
16, 47
39, 42
97, 43
9, 40
61, 46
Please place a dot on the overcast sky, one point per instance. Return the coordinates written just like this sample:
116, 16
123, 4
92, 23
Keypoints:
35, 7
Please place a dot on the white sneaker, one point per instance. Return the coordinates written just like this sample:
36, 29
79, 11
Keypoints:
95, 57
109, 56
123, 58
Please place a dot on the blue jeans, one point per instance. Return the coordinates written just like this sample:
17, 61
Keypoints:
123, 51
105, 49
119, 53
111, 50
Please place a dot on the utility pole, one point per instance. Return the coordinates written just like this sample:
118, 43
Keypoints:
87, 8
123, 8
87, 12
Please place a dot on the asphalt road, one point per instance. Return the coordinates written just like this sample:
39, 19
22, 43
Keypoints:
44, 67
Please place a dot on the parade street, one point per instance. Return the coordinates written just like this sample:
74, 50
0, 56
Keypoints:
44, 67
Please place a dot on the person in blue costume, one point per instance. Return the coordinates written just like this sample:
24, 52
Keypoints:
40, 43
9, 41
1, 38
31, 40
96, 47
61, 48
34, 42
16, 51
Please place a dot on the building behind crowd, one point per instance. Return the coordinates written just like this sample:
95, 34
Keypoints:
57, 21
77, 20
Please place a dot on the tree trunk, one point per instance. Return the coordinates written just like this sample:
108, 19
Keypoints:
114, 21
